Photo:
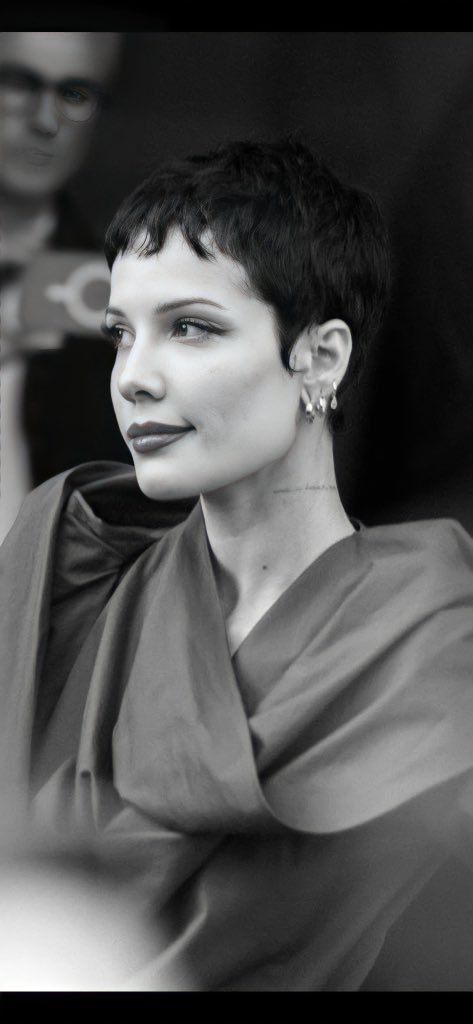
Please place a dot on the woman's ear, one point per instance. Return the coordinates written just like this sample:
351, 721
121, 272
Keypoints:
322, 353
333, 351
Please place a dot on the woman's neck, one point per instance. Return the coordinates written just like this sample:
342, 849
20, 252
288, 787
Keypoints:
265, 530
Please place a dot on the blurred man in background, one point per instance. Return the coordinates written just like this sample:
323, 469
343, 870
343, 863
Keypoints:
52, 89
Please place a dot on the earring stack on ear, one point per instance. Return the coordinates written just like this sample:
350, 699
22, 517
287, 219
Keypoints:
321, 404
320, 408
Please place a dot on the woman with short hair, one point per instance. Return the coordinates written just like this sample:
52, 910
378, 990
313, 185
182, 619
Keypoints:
265, 705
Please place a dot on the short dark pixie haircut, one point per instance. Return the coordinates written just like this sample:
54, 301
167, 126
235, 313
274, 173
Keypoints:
312, 248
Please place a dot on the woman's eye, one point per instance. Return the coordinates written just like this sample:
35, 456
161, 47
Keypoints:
194, 330
119, 336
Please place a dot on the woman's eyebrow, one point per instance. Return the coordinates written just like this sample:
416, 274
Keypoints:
114, 311
167, 307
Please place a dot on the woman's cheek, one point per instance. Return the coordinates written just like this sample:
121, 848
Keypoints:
118, 408
217, 406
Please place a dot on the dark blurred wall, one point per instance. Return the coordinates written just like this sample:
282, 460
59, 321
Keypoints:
367, 100
408, 452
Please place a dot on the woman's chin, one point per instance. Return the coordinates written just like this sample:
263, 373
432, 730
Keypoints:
165, 490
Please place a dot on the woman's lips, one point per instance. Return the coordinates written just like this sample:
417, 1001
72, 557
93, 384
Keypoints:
150, 442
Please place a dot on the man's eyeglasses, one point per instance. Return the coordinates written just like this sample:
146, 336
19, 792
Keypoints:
77, 100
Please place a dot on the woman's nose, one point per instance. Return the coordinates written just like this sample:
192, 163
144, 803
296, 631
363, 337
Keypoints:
140, 375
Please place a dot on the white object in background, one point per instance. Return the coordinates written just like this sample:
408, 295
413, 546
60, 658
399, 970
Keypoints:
71, 293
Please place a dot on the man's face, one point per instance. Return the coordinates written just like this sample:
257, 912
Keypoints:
48, 85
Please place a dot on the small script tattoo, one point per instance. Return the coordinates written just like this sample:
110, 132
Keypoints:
308, 487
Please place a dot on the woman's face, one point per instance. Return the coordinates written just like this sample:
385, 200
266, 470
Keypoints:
198, 354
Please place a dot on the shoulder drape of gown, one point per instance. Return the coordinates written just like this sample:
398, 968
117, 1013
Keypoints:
281, 809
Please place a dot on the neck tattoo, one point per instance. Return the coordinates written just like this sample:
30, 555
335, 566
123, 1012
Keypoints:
308, 487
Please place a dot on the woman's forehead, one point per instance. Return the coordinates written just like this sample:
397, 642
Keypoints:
176, 272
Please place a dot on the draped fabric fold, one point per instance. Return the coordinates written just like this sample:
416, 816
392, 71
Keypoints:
297, 786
